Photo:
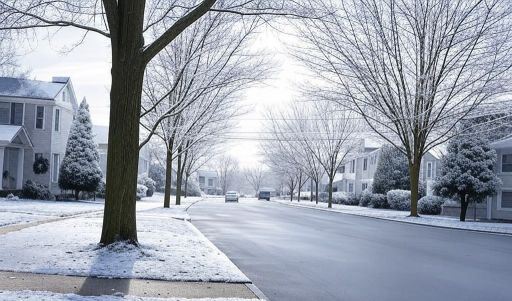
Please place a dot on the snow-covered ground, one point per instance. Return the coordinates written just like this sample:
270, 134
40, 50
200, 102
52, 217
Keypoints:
24, 211
402, 216
171, 249
47, 296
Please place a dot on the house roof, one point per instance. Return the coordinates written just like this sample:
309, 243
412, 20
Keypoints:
207, 173
502, 143
8, 134
26, 88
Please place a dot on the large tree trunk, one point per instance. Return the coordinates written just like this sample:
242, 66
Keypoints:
168, 178
414, 174
179, 178
77, 194
119, 220
329, 204
463, 208
298, 194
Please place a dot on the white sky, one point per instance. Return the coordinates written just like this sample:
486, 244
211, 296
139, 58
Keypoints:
88, 65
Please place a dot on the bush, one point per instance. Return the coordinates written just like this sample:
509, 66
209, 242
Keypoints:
366, 196
36, 191
430, 204
148, 182
339, 197
101, 191
351, 200
141, 191
399, 199
378, 200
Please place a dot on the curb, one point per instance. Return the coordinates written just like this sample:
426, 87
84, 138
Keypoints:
257, 291
397, 221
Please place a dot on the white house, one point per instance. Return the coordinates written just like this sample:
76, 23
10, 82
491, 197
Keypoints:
208, 181
35, 119
500, 205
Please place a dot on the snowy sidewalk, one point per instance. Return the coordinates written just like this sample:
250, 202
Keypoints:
402, 216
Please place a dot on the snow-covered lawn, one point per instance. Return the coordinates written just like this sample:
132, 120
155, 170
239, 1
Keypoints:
171, 249
23, 211
47, 296
402, 216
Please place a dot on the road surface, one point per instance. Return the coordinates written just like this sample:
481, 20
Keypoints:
305, 254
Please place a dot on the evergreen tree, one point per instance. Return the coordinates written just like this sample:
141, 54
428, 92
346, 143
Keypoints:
467, 169
80, 169
392, 171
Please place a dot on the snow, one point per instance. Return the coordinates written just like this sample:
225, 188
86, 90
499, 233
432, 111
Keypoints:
48, 296
402, 216
171, 249
29, 88
8, 132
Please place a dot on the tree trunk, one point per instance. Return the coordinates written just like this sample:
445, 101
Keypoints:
298, 194
179, 179
414, 174
119, 220
77, 194
168, 178
186, 184
329, 204
463, 209
316, 191
311, 190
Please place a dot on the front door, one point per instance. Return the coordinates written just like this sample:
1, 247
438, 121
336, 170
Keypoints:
10, 168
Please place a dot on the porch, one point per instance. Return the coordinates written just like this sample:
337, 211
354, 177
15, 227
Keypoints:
13, 143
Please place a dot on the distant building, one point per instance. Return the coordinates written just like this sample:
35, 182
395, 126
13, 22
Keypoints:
499, 206
208, 181
35, 119
101, 138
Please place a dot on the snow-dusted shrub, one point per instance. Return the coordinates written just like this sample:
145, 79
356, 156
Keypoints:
378, 200
399, 199
32, 190
339, 197
141, 191
157, 173
430, 204
148, 182
101, 191
80, 168
352, 200
192, 188
365, 198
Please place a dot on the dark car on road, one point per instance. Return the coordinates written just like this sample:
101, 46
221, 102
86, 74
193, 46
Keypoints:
264, 195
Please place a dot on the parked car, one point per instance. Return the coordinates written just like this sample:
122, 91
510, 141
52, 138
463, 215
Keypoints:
264, 195
231, 196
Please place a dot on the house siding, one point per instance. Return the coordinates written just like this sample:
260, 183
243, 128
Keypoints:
506, 179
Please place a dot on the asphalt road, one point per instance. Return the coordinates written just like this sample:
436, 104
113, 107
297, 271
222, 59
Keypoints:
306, 254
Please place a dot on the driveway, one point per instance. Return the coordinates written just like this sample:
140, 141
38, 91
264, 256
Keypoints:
305, 254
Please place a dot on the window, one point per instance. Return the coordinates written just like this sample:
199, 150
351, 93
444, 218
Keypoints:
201, 180
57, 120
4, 113
341, 169
429, 170
39, 117
506, 163
55, 168
350, 187
506, 199
353, 166
37, 156
365, 164
16, 113
364, 186
210, 182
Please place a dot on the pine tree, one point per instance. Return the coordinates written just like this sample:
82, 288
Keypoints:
392, 171
467, 169
80, 170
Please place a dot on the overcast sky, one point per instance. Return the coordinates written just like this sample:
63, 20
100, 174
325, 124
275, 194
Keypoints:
88, 65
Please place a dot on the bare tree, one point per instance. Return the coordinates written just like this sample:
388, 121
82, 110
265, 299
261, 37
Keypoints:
412, 69
255, 177
227, 167
126, 24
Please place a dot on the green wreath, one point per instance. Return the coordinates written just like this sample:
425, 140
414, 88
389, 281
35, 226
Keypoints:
41, 165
